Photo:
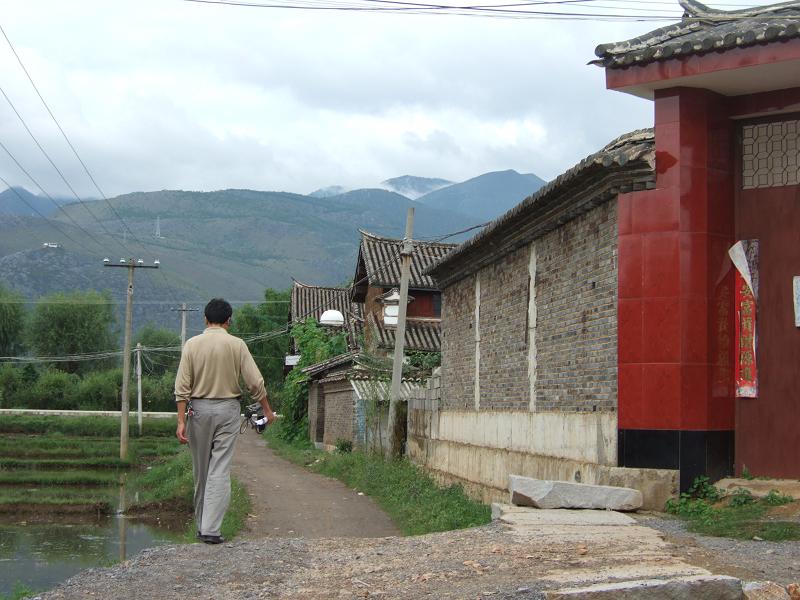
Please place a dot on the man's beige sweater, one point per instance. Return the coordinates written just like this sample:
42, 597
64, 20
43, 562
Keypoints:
211, 364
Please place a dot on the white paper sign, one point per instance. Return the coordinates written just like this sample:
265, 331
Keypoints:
796, 290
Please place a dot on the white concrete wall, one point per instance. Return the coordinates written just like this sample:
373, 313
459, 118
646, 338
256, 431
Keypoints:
587, 437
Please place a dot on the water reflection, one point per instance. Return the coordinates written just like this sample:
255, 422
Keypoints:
42, 554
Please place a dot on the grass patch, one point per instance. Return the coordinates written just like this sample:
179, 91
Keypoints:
410, 497
35, 464
169, 485
18, 592
105, 427
60, 446
739, 515
57, 478
56, 495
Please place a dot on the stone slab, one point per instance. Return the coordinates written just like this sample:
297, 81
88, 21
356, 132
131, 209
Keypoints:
541, 493
523, 515
765, 590
701, 587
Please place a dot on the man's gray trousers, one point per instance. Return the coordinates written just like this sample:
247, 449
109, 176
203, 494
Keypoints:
212, 429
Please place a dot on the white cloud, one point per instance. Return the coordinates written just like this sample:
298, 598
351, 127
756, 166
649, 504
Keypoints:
180, 95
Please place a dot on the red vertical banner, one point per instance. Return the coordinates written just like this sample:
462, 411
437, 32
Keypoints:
746, 372
744, 255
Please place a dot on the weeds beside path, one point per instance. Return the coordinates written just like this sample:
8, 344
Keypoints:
410, 497
289, 501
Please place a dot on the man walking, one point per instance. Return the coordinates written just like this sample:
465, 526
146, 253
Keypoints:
208, 380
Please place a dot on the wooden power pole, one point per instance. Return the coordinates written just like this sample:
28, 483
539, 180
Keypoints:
183, 310
139, 407
396, 429
131, 265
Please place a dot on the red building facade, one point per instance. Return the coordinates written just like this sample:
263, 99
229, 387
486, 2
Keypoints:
727, 136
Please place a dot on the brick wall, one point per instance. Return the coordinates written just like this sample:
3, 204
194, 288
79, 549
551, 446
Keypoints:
339, 411
576, 290
458, 344
504, 345
576, 303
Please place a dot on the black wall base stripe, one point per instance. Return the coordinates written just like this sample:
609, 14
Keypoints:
693, 453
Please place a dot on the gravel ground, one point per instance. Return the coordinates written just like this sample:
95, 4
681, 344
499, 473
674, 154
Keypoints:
746, 559
493, 561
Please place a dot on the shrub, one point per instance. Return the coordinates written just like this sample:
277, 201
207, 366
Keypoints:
54, 390
99, 391
775, 498
344, 446
10, 382
741, 497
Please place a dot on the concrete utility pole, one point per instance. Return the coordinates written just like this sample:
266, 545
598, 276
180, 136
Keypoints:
395, 429
183, 310
139, 386
129, 264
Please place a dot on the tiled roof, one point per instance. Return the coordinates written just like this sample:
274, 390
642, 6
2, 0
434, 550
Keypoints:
310, 301
420, 336
702, 30
625, 164
379, 261
331, 363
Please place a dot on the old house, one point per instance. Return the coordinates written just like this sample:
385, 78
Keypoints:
609, 329
310, 301
346, 399
377, 279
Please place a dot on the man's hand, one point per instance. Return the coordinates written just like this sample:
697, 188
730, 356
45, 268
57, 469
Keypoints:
180, 433
271, 417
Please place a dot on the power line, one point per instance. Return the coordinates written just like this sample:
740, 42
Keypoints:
56, 204
49, 221
80, 160
53, 164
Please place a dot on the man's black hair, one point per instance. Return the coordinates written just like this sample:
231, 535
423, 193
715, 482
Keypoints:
218, 311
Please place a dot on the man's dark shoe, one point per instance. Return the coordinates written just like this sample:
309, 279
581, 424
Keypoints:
211, 539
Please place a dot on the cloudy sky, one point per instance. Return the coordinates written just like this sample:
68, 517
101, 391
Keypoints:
165, 94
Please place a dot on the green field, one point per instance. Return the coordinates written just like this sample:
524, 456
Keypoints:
71, 464
58, 463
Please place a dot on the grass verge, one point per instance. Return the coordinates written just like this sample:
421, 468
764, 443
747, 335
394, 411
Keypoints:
97, 462
409, 496
169, 486
739, 515
18, 592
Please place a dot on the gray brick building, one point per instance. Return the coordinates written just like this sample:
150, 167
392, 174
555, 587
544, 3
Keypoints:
529, 338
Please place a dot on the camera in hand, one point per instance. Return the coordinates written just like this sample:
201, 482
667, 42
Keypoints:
254, 414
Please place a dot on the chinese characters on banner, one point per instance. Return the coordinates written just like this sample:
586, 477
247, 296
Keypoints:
744, 255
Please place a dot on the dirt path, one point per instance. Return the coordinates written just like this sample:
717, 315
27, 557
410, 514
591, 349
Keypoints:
516, 558
289, 501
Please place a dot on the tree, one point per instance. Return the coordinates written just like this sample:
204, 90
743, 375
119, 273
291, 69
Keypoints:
12, 321
267, 319
158, 363
66, 324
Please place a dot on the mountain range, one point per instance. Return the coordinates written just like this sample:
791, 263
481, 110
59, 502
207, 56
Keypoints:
229, 242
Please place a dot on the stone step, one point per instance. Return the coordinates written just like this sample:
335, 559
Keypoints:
700, 587
541, 493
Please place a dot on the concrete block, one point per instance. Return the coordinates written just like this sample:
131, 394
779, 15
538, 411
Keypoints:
523, 515
765, 590
541, 493
699, 587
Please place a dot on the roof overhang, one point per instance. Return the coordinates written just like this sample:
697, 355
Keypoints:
736, 72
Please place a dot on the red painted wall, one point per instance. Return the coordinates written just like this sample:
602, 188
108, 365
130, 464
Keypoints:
675, 307
767, 429
422, 306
